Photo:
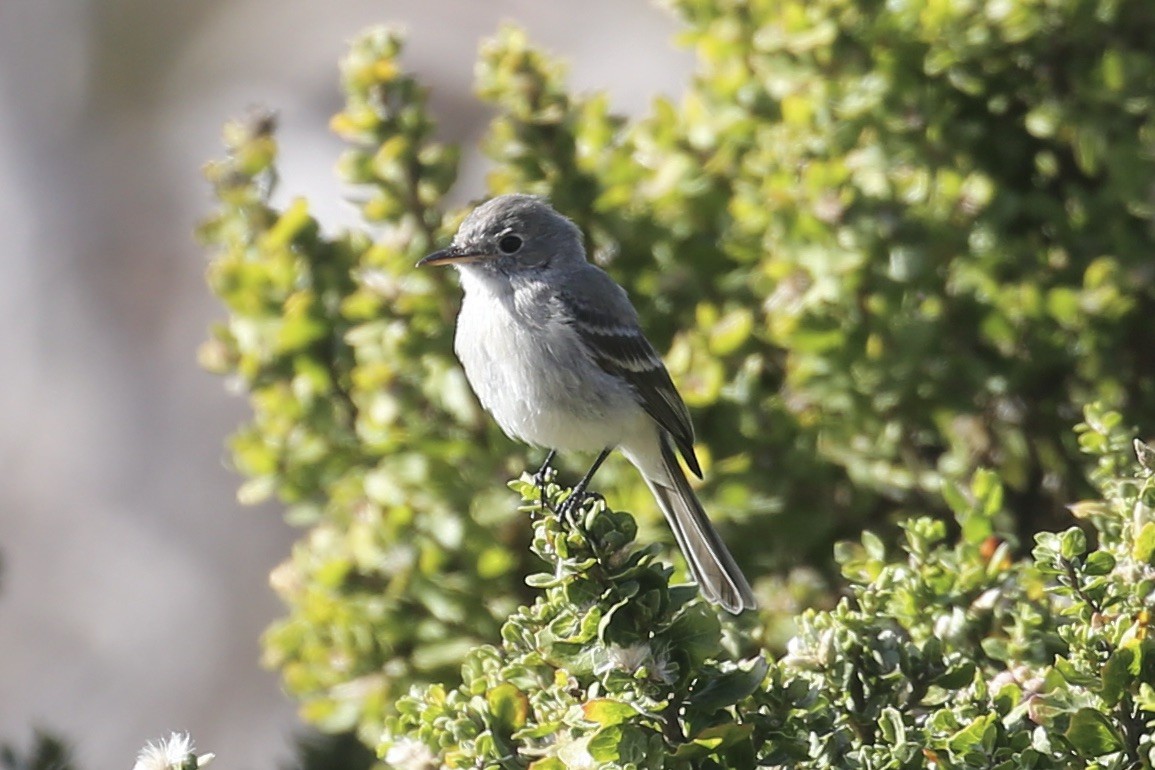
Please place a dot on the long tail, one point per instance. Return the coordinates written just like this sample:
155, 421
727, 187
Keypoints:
719, 578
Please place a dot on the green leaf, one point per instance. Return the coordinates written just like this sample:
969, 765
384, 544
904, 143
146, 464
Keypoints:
976, 527
710, 740
731, 332
1092, 733
971, 737
892, 727
729, 688
956, 499
697, 633
605, 744
509, 706
1119, 672
988, 491
996, 647
1063, 305
607, 711
874, 546
956, 676
1144, 548
1146, 699
1073, 675
543, 580
1099, 563
1072, 543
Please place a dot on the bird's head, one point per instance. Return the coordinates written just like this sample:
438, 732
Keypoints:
512, 234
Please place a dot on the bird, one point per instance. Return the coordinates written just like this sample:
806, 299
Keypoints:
552, 347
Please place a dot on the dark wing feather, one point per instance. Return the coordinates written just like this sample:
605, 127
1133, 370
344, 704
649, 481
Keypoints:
623, 351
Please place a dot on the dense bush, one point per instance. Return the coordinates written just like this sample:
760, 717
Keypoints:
942, 655
882, 245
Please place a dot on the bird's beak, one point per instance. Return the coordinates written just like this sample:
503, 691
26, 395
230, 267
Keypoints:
452, 256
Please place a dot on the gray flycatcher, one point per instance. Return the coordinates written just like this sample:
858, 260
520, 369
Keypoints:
553, 350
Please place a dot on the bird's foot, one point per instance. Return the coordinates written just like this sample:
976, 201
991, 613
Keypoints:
572, 505
542, 477
578, 496
546, 468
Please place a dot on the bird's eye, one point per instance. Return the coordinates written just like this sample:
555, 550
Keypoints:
510, 244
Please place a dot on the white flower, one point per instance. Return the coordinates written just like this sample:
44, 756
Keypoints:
662, 669
410, 754
171, 753
639, 659
628, 659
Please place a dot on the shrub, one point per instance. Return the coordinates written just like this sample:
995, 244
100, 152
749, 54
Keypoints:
883, 246
943, 655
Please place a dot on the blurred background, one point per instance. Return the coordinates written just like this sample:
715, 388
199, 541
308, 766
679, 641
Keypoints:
133, 587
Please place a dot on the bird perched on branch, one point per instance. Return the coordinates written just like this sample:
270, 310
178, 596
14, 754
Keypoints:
553, 350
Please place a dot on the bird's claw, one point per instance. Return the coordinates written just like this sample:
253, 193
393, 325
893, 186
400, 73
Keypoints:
543, 473
543, 476
570, 506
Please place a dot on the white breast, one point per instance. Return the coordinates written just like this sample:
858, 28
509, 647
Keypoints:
530, 371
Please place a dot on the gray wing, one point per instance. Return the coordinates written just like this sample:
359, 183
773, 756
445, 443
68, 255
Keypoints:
610, 331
